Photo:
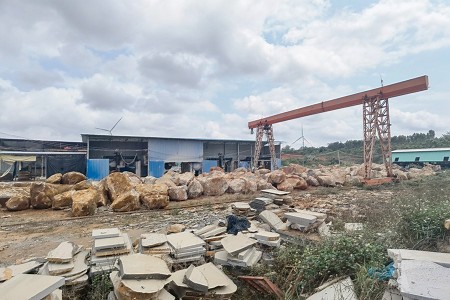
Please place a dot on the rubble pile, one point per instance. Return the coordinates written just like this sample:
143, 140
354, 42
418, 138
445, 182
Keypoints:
201, 282
108, 245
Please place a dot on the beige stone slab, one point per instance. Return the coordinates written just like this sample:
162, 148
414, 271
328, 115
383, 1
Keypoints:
28, 286
58, 269
205, 229
141, 266
195, 279
214, 276
80, 265
77, 281
55, 295
109, 243
184, 240
63, 253
300, 218
13, 270
137, 288
105, 233
153, 239
273, 220
267, 236
275, 192
234, 244
320, 216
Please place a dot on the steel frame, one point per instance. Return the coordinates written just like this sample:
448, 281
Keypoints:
266, 130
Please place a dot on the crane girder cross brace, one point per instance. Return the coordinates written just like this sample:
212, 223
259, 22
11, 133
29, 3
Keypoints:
260, 132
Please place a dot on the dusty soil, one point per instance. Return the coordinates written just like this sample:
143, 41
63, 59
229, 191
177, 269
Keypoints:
32, 233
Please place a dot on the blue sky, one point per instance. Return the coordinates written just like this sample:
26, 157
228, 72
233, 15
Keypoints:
204, 69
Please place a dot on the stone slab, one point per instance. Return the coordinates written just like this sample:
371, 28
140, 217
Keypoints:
191, 259
275, 192
28, 286
221, 258
234, 244
246, 254
184, 241
13, 270
116, 251
353, 226
193, 252
273, 220
81, 280
109, 243
58, 269
195, 279
63, 253
138, 288
80, 265
440, 258
141, 266
276, 243
214, 276
153, 239
55, 295
240, 205
205, 229
340, 290
214, 232
320, 216
267, 236
300, 218
423, 280
105, 233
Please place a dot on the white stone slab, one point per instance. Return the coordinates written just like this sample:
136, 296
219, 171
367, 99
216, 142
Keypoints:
193, 252
423, 280
204, 229
80, 265
240, 205
340, 290
440, 258
105, 233
184, 240
195, 279
214, 232
273, 220
275, 192
32, 287
141, 266
13, 270
145, 287
320, 216
300, 218
63, 253
213, 275
267, 236
109, 243
234, 244
221, 258
58, 269
153, 239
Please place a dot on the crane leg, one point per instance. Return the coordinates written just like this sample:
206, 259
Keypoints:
258, 145
260, 132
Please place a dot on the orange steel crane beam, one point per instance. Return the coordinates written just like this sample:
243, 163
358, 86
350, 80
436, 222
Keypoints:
375, 111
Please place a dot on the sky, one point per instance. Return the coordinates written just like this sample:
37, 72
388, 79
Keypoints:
204, 69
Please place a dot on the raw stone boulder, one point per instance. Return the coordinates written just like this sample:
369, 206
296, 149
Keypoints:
62, 200
236, 186
276, 177
103, 198
149, 180
312, 181
153, 196
55, 178
128, 201
133, 178
172, 176
166, 181
326, 180
215, 184
19, 202
41, 195
286, 186
117, 184
84, 202
297, 182
178, 193
251, 185
186, 178
195, 189
82, 185
72, 178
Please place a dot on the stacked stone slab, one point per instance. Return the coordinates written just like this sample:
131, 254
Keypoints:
32, 287
108, 245
239, 251
271, 239
68, 260
140, 276
304, 220
186, 247
242, 209
202, 282
154, 244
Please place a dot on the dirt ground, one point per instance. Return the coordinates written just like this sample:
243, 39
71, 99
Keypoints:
32, 233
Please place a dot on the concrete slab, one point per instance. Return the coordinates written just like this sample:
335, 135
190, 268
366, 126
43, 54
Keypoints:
105, 233
423, 280
153, 239
300, 218
32, 287
58, 269
234, 244
109, 243
275, 192
184, 241
195, 279
267, 236
141, 266
340, 290
13, 270
63, 253
273, 220
440, 258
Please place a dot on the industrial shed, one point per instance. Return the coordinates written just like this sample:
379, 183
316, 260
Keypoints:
155, 155
428, 155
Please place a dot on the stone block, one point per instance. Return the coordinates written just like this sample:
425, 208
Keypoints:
273, 220
234, 244
300, 218
105, 233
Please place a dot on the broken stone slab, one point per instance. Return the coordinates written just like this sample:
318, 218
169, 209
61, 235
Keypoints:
214, 276
205, 229
55, 295
343, 289
109, 243
194, 279
153, 239
273, 220
221, 258
300, 218
141, 266
247, 253
13, 270
58, 269
240, 206
318, 215
447, 224
353, 227
423, 280
137, 288
28, 286
267, 236
105, 233
275, 244
234, 244
63, 253
190, 253
275, 192
324, 229
439, 258
81, 280
184, 241
216, 231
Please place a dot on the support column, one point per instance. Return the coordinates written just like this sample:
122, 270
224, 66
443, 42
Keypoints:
268, 131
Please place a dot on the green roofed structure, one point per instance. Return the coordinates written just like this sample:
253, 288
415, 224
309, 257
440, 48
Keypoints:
419, 156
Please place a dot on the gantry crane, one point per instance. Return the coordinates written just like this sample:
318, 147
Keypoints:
376, 120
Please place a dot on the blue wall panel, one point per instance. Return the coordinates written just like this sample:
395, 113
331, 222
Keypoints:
97, 169
207, 164
156, 168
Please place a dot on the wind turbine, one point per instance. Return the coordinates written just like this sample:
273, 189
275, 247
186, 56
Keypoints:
110, 130
303, 140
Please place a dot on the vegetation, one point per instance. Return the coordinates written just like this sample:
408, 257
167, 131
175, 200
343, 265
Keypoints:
351, 152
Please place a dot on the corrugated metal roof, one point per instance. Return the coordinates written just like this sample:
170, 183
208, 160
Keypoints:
41, 153
421, 150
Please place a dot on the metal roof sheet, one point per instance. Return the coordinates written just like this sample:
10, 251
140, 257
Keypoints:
421, 150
